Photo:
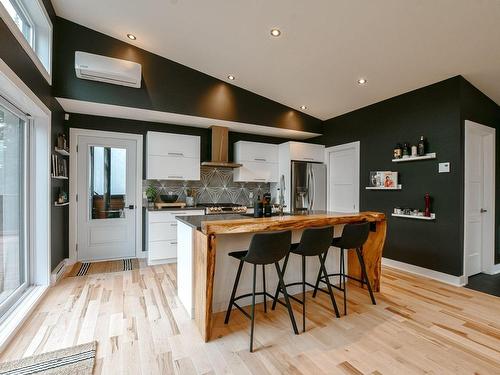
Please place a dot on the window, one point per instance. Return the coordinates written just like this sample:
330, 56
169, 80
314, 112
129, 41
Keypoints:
13, 219
30, 23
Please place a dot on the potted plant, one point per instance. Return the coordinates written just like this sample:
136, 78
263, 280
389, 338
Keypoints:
151, 193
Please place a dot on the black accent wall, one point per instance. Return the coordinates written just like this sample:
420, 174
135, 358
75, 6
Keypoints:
19, 61
166, 86
437, 112
432, 111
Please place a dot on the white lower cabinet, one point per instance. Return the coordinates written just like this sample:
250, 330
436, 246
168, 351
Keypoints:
162, 235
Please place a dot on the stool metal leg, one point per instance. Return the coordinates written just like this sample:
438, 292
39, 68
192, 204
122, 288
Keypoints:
330, 291
287, 300
252, 314
233, 293
264, 286
278, 288
343, 278
364, 273
316, 286
303, 293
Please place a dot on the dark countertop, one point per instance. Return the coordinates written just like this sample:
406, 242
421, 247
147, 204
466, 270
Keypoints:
195, 208
195, 221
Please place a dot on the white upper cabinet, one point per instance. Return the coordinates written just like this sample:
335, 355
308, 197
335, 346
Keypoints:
306, 152
255, 151
260, 162
172, 156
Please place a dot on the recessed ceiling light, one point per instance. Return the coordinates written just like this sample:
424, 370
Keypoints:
230, 77
131, 36
362, 81
303, 107
275, 32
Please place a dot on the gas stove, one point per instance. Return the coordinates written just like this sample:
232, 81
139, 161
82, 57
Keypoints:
223, 208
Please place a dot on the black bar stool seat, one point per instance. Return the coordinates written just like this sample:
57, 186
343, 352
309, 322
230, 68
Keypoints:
353, 237
238, 254
314, 242
264, 249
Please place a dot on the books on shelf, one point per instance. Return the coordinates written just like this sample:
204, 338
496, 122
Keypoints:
59, 166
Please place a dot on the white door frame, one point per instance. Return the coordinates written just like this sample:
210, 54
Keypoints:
74, 133
356, 145
488, 249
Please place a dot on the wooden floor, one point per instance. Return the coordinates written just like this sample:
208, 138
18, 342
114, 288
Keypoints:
419, 326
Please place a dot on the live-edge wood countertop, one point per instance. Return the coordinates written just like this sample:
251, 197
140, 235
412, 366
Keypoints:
234, 224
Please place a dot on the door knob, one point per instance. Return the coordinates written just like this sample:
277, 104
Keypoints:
482, 210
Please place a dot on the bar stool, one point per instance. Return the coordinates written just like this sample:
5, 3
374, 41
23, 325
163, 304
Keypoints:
353, 237
265, 248
313, 242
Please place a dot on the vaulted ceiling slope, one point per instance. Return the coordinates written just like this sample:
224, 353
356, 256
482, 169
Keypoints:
324, 48
170, 92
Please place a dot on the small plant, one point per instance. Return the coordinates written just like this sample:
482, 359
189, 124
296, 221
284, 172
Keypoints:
151, 193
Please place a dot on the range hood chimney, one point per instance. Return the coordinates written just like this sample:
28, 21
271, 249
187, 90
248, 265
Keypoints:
220, 141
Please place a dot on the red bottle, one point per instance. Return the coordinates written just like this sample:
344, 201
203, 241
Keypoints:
427, 199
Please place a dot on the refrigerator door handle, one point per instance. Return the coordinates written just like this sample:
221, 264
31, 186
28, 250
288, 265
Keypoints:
309, 185
313, 192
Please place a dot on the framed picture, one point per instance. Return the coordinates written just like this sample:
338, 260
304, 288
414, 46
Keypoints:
385, 179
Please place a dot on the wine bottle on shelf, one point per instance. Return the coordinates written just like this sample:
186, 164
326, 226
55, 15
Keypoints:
421, 146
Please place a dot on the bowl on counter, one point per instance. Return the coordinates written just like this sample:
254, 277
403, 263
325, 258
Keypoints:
168, 198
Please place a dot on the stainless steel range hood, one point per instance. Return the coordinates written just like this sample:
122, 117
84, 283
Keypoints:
220, 142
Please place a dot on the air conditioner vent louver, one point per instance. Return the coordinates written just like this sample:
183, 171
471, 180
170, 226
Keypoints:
107, 69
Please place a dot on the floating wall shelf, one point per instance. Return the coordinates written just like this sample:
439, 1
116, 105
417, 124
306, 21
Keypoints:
62, 151
61, 204
432, 217
432, 155
398, 187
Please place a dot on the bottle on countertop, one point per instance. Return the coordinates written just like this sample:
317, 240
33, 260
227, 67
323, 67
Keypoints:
258, 207
268, 208
421, 146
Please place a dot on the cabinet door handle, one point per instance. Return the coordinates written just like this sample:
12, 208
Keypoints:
173, 243
259, 179
175, 153
309, 158
178, 177
259, 159
173, 225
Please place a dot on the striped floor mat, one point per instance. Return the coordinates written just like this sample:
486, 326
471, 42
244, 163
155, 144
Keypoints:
92, 268
74, 360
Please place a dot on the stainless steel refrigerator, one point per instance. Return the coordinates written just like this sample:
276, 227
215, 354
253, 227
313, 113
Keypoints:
308, 186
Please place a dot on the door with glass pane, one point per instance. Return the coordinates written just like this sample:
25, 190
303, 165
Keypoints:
106, 198
13, 229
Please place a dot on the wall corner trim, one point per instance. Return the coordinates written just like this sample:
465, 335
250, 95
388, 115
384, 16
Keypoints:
425, 272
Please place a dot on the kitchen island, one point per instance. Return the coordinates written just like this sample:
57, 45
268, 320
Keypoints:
206, 274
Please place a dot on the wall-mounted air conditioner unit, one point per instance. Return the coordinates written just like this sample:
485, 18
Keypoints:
107, 69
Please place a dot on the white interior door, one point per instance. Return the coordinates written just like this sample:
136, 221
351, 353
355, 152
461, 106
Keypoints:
479, 198
106, 206
343, 177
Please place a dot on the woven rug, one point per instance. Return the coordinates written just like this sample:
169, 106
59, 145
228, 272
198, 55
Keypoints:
76, 360
92, 268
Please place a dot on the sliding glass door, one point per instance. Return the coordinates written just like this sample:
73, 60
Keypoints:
14, 254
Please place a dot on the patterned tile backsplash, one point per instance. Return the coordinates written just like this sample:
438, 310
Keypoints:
216, 186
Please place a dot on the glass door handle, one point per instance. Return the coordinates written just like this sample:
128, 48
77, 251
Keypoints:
483, 210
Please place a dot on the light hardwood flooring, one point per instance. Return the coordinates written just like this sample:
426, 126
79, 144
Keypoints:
419, 326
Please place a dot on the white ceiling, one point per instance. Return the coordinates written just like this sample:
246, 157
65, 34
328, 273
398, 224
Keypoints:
326, 45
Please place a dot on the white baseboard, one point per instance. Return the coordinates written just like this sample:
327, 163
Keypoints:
494, 270
60, 270
425, 272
